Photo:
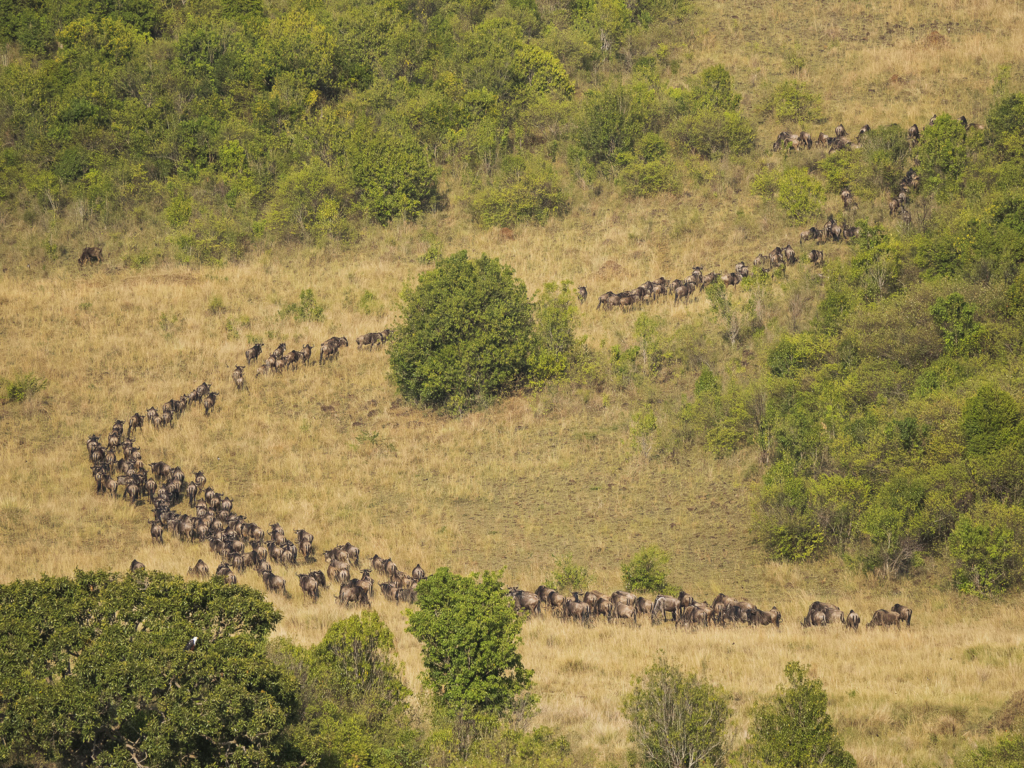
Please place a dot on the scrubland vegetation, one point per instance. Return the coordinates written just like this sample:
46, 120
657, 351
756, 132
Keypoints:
283, 173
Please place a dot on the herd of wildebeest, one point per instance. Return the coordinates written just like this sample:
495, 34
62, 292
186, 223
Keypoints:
241, 545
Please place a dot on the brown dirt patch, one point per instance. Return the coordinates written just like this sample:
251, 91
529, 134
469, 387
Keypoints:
934, 40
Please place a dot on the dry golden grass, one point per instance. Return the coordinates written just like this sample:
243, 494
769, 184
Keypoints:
334, 450
537, 476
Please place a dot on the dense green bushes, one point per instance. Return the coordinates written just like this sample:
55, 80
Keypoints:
299, 122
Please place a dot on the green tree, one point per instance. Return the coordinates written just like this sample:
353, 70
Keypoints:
793, 729
943, 153
560, 354
955, 318
466, 334
1006, 125
526, 189
987, 546
353, 706
471, 634
93, 670
989, 419
570, 576
676, 720
645, 571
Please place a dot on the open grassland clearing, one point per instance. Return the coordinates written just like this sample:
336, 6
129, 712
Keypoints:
331, 449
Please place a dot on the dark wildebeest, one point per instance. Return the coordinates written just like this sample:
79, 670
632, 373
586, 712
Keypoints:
156, 531
581, 293
757, 617
664, 604
199, 570
852, 620
252, 354
330, 347
209, 401
91, 255
817, 257
623, 611
310, 584
525, 600
353, 593
904, 612
815, 619
274, 583
418, 573
136, 566
238, 377
576, 611
840, 131
884, 618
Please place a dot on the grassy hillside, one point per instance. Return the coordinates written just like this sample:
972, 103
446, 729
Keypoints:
553, 472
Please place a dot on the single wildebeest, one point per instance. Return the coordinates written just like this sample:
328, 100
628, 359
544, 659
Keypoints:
274, 583
576, 611
525, 601
817, 257
238, 377
199, 570
623, 611
664, 605
814, 619
136, 566
91, 255
209, 401
852, 620
884, 618
418, 572
156, 531
764, 618
306, 352
904, 612
581, 293
252, 354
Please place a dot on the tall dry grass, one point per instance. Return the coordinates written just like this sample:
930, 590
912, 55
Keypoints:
332, 449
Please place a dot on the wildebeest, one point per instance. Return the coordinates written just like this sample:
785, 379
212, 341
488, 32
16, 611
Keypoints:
852, 620
274, 583
354, 593
90, 255
418, 573
576, 611
817, 257
238, 377
525, 600
330, 347
209, 401
136, 566
884, 618
904, 612
581, 293
310, 584
757, 617
199, 570
623, 611
252, 354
